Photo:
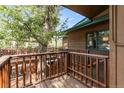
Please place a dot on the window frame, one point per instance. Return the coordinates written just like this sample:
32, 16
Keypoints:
97, 39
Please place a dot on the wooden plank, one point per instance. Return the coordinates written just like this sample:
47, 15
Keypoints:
89, 55
16, 65
105, 71
80, 68
97, 70
6, 77
3, 74
9, 74
73, 64
36, 62
45, 67
30, 63
41, 66
70, 64
24, 71
57, 65
1, 79
91, 72
85, 69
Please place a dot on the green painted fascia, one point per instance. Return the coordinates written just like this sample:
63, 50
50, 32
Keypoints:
87, 22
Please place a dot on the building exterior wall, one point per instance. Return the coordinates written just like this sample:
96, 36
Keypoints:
65, 43
117, 46
77, 38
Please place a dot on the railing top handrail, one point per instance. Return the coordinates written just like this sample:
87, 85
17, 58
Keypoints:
37, 54
91, 55
5, 59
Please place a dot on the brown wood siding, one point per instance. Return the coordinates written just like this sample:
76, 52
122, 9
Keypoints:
117, 46
76, 39
65, 43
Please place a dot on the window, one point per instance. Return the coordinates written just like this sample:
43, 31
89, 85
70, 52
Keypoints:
98, 40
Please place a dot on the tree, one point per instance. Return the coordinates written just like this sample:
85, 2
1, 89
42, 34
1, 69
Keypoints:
26, 22
60, 32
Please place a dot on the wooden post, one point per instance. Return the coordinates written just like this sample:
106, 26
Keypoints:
67, 62
41, 66
36, 62
9, 74
30, 63
24, 71
57, 65
85, 68
91, 70
81, 68
3, 76
16, 72
1, 80
49, 65
97, 69
105, 71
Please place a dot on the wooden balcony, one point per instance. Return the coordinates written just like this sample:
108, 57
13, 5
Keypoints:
56, 69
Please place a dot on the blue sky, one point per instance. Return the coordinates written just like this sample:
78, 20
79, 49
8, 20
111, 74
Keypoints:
73, 17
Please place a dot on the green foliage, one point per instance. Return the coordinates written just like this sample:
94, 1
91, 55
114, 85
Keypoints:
21, 23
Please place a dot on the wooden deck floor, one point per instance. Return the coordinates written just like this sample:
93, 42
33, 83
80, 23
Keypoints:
60, 82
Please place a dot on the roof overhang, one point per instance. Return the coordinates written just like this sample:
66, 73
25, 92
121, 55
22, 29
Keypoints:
89, 11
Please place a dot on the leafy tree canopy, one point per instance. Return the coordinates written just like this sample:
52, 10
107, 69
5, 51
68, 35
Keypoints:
21, 23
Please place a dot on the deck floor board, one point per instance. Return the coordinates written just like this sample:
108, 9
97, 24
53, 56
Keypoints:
60, 82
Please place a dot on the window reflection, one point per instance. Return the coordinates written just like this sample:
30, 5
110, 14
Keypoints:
98, 40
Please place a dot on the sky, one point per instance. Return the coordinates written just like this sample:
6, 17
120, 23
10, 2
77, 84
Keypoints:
73, 17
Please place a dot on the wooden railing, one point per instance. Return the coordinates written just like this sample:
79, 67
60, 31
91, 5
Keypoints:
90, 69
5, 72
17, 51
30, 69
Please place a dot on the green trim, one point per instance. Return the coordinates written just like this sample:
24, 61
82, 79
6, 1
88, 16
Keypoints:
87, 22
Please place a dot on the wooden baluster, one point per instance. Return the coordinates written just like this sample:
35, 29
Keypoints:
97, 70
16, 65
41, 66
24, 71
74, 64
80, 68
1, 79
70, 64
3, 74
6, 78
57, 64
61, 63
9, 74
30, 63
49, 65
54, 65
36, 67
46, 74
64, 63
105, 71
91, 70
85, 69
